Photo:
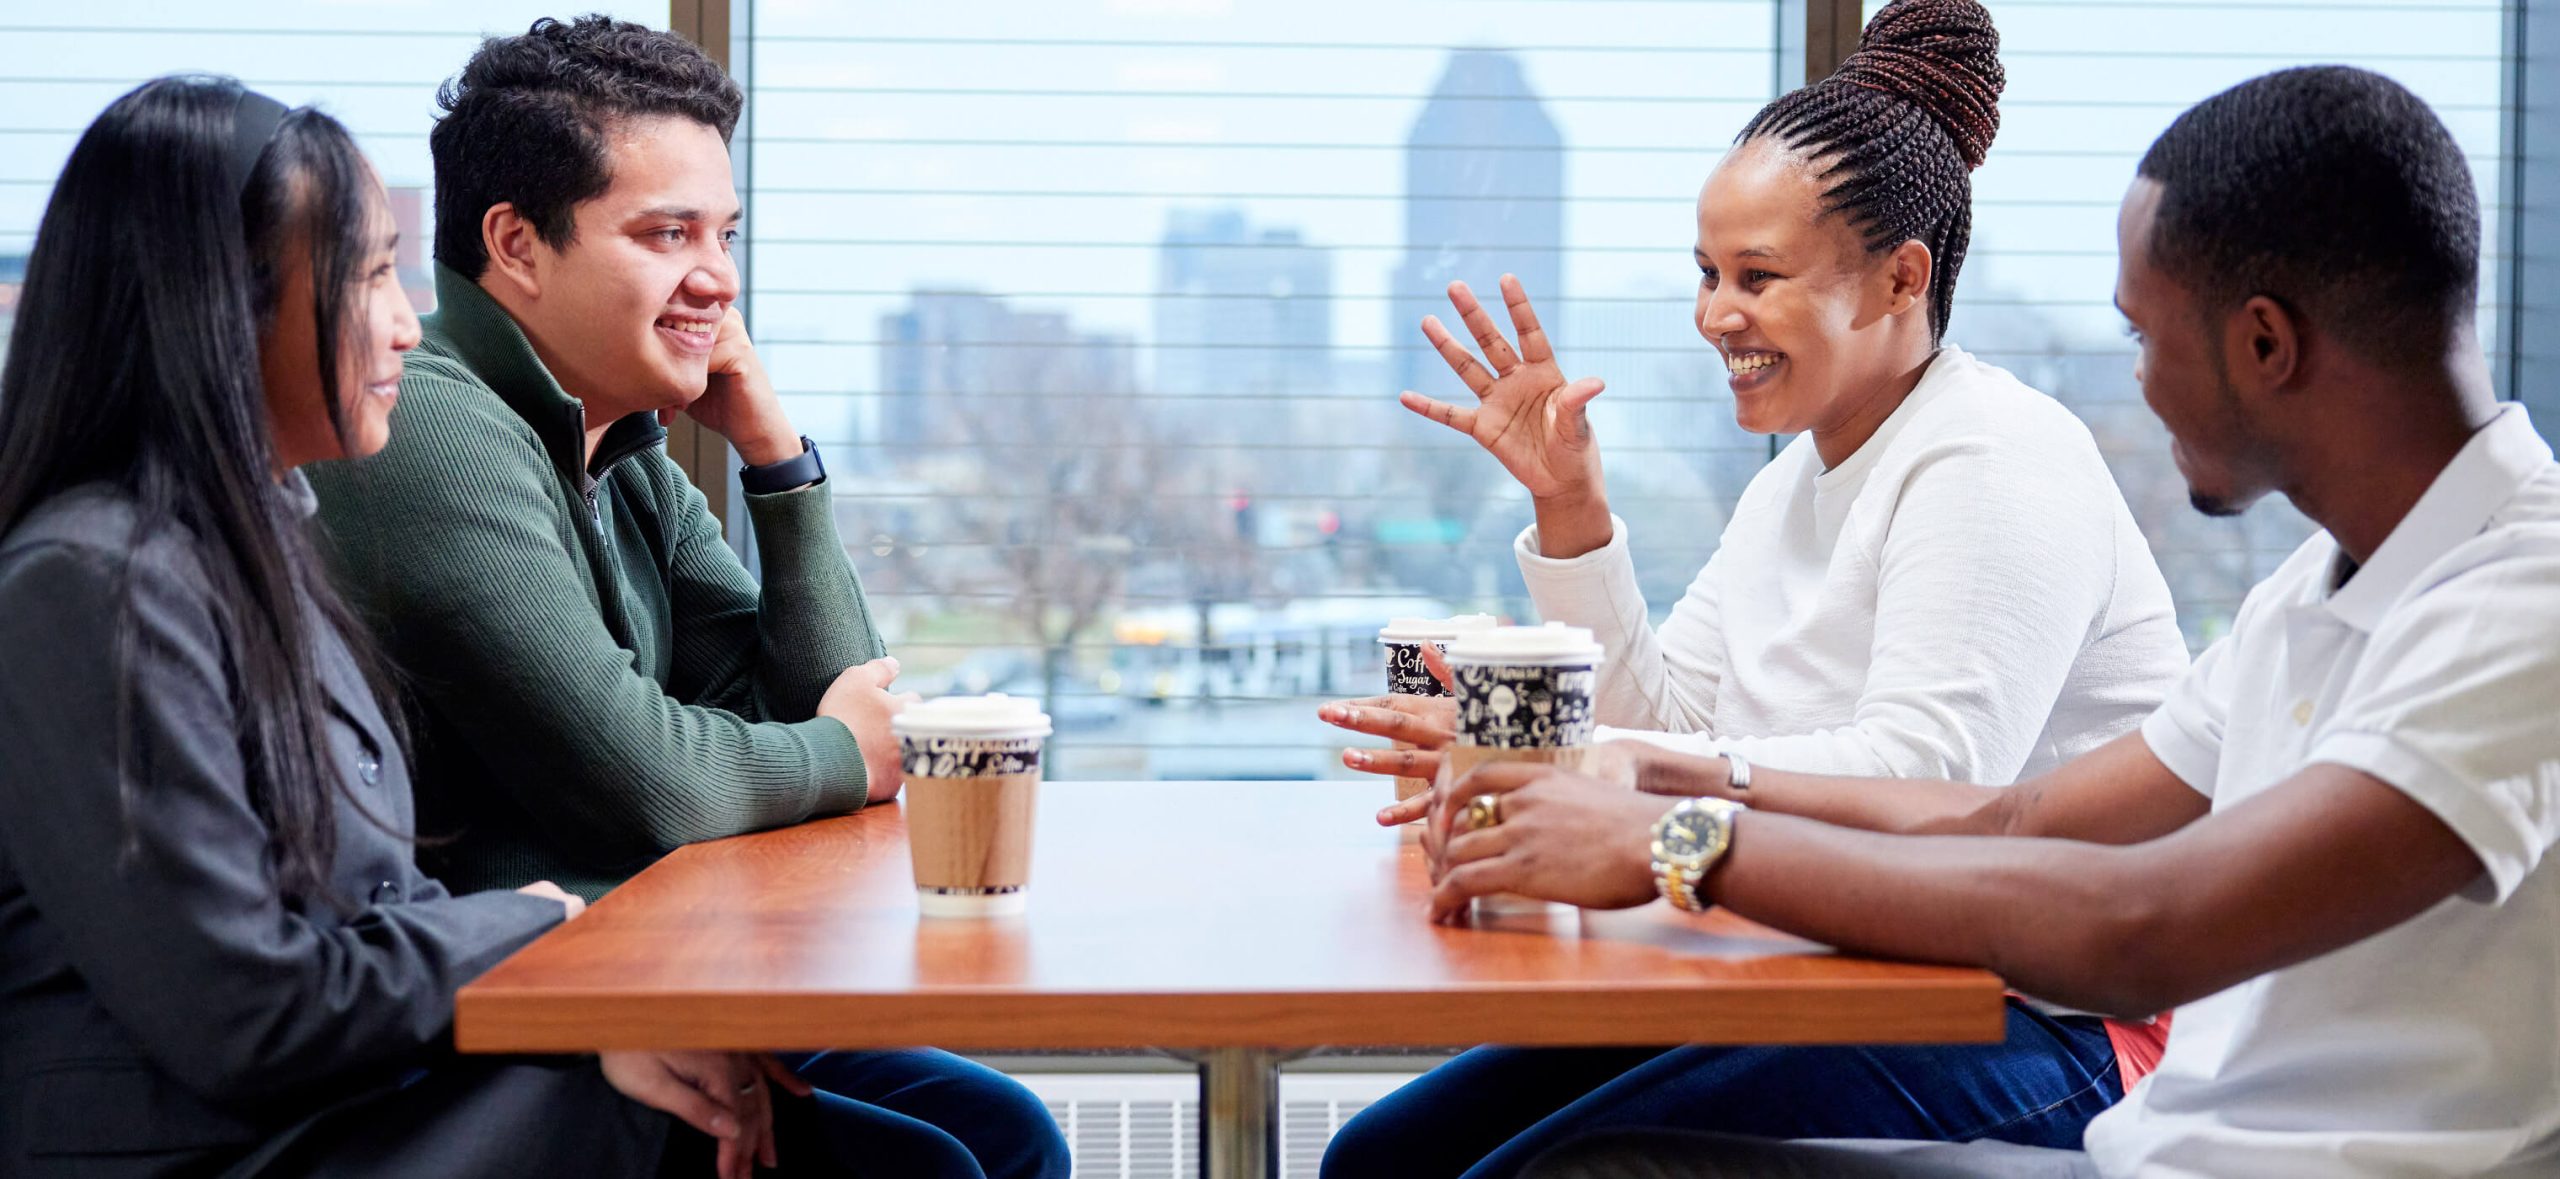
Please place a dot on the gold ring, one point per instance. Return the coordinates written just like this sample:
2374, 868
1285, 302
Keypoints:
1484, 810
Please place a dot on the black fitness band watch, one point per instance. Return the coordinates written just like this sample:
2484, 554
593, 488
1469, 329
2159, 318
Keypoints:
799, 470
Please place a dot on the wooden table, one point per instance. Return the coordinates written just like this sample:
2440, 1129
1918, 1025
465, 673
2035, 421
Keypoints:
1237, 923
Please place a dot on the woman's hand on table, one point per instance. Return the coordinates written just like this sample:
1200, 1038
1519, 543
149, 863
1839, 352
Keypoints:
1428, 723
552, 892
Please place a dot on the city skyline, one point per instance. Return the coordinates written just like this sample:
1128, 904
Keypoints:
1002, 219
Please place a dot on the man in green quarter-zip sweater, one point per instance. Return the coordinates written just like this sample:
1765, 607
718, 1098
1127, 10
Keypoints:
599, 679
602, 681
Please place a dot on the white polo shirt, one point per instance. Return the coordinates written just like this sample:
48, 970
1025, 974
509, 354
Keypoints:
2432, 1048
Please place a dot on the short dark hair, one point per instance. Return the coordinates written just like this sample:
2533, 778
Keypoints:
526, 121
2333, 190
1899, 129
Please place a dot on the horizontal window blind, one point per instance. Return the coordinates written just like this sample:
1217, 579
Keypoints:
2091, 84
375, 67
1102, 308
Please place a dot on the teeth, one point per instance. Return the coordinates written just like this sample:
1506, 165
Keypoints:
1751, 362
691, 327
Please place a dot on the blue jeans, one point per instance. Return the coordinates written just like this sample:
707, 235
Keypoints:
1487, 1113
915, 1114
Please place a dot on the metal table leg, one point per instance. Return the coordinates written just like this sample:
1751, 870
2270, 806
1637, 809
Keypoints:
1240, 1111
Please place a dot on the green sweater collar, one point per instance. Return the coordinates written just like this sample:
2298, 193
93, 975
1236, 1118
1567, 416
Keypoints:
471, 328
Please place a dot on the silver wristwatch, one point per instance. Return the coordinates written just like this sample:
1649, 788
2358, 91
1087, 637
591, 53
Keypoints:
1687, 842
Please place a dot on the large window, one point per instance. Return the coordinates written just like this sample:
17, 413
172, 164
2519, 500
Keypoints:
375, 67
1108, 304
2091, 83
1103, 308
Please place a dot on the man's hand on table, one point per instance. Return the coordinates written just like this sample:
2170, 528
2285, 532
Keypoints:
1622, 764
1564, 837
727, 1095
860, 699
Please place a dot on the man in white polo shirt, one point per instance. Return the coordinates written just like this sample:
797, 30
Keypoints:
2326, 850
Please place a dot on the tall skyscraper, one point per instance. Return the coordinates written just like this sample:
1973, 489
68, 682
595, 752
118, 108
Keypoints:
1240, 309
1483, 195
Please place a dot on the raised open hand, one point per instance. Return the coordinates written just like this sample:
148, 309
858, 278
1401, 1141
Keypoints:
1526, 414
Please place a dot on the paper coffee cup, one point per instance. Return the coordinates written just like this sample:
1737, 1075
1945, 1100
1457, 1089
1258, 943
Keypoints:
1524, 690
1524, 694
1408, 675
1403, 638
972, 767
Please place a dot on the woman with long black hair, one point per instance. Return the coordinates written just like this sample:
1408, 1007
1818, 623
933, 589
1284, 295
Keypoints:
216, 955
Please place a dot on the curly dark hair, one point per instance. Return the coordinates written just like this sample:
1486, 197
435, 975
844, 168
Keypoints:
2333, 190
1899, 129
526, 120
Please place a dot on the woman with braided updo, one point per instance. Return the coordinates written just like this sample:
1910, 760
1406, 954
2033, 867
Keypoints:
1936, 579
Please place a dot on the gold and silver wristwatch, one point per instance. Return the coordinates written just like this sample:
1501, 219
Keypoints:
1687, 841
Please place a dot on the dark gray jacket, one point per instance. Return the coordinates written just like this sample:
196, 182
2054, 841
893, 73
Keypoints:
162, 1010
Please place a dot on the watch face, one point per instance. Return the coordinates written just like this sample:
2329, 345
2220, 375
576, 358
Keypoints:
1692, 835
1683, 838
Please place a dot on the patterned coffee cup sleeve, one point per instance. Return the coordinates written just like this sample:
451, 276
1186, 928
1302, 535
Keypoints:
968, 757
1408, 675
1525, 707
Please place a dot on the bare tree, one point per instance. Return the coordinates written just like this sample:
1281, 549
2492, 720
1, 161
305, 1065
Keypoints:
1043, 488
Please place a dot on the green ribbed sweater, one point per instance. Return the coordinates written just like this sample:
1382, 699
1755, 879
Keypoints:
598, 679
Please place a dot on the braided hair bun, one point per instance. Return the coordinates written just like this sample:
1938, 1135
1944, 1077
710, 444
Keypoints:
1899, 129
1944, 56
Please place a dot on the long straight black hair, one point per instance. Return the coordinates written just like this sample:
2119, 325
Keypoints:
135, 363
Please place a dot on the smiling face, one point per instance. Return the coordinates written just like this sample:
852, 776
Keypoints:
626, 312
2185, 376
369, 356
1813, 327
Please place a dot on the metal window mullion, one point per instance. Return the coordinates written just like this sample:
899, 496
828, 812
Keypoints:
704, 455
1814, 37
2512, 236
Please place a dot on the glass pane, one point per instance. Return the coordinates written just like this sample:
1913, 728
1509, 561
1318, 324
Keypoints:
1101, 310
2091, 84
375, 66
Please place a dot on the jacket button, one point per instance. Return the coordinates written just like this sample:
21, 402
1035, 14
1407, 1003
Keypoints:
369, 768
385, 893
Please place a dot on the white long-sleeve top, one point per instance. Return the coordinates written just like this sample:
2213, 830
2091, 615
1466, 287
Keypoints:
1966, 597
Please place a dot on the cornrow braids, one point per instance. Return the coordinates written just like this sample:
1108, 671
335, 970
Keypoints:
1899, 129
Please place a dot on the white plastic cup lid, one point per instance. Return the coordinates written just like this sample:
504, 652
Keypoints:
1554, 643
1433, 630
993, 715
